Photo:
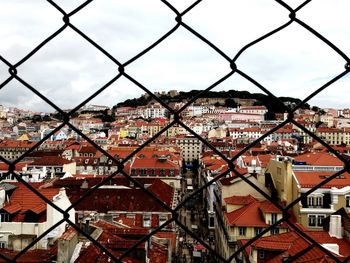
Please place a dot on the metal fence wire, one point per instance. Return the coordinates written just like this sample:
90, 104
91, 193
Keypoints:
122, 71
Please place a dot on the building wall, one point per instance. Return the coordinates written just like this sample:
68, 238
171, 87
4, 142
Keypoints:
11, 232
242, 188
53, 216
281, 172
70, 168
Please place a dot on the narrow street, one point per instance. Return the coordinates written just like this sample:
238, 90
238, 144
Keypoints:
192, 216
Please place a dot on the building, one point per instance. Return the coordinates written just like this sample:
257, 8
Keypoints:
25, 216
293, 177
13, 149
191, 147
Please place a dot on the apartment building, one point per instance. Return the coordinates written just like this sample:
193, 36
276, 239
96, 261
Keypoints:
292, 177
191, 147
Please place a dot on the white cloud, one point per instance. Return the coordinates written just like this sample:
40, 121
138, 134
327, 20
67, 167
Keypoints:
68, 70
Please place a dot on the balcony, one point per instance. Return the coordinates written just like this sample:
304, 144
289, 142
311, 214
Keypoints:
317, 209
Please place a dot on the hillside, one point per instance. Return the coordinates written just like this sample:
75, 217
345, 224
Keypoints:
229, 96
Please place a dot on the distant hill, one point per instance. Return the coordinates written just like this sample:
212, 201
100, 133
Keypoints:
229, 96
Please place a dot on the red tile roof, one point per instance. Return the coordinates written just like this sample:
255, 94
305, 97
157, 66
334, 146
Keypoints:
32, 256
319, 158
5, 144
291, 243
239, 200
28, 200
248, 215
19, 166
268, 207
310, 179
163, 191
123, 199
11, 209
50, 161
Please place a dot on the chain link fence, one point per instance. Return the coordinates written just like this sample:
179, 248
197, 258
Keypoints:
177, 120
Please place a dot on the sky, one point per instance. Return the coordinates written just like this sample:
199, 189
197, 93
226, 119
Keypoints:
68, 69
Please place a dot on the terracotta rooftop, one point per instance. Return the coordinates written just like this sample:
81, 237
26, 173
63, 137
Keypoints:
322, 158
310, 179
122, 199
16, 144
248, 215
291, 243
50, 161
23, 199
239, 200
19, 166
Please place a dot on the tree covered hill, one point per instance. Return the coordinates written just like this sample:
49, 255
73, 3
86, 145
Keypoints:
229, 96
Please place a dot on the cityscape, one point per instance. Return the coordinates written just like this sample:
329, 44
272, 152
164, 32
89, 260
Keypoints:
111, 207
174, 131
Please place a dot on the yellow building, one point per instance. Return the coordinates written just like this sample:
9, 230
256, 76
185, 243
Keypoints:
291, 178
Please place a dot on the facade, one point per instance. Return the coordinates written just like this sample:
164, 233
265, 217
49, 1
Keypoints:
13, 149
191, 148
291, 178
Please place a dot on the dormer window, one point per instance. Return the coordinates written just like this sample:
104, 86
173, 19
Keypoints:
261, 254
162, 219
315, 200
147, 221
273, 218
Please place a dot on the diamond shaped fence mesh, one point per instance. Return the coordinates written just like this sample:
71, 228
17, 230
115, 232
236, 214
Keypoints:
122, 71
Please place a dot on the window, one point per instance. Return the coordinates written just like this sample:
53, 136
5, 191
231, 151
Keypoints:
275, 231
258, 230
310, 201
162, 171
211, 221
312, 220
133, 172
320, 219
347, 201
242, 231
316, 220
162, 219
4, 217
273, 218
3, 244
315, 200
318, 201
146, 221
261, 254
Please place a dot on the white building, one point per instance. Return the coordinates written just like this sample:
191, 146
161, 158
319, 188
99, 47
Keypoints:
25, 219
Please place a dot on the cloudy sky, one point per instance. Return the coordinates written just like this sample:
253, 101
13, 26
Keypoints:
68, 69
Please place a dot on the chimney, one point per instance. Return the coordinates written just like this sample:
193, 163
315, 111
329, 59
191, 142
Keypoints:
335, 227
